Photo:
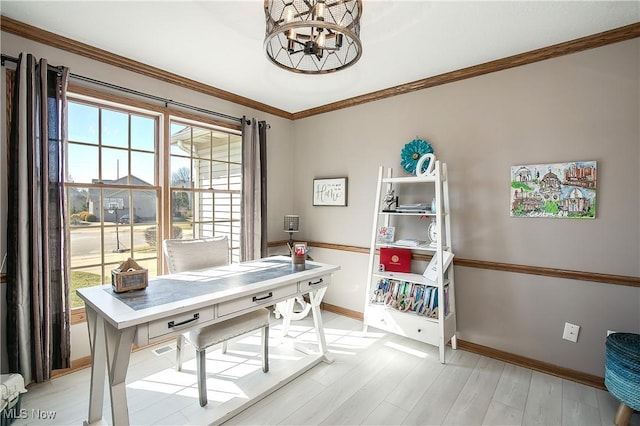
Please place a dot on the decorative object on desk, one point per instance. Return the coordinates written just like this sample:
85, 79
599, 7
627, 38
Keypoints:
562, 190
330, 192
395, 259
432, 270
299, 256
429, 169
391, 200
386, 234
432, 232
129, 276
291, 225
412, 152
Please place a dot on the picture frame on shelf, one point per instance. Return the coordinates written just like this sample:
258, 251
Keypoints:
433, 269
386, 234
330, 192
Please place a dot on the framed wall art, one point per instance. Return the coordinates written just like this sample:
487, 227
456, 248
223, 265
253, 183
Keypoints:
330, 192
561, 190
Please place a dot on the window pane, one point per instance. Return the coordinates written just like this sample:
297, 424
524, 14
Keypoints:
220, 176
115, 166
180, 172
220, 146
143, 170
144, 206
223, 206
201, 140
180, 139
235, 148
77, 202
85, 277
143, 133
83, 123
235, 177
181, 206
203, 173
150, 264
82, 164
115, 128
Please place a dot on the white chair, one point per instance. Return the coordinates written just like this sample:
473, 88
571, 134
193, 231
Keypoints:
191, 255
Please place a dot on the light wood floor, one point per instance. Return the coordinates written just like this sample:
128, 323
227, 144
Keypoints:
376, 378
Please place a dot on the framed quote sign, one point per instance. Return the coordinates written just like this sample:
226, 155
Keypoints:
330, 192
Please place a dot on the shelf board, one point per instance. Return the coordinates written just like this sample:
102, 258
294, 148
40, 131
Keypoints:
427, 213
409, 179
421, 247
410, 277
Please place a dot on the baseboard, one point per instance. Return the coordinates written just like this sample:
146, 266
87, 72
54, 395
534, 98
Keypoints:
543, 367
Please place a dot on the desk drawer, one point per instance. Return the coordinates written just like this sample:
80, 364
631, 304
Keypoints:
264, 298
180, 322
309, 285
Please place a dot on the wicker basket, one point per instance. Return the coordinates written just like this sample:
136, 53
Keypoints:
129, 276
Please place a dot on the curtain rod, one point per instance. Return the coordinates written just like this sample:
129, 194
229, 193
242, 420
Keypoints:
165, 101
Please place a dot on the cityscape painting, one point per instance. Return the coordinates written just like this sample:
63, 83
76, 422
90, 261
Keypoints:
562, 190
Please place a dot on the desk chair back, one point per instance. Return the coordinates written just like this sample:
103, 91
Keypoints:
191, 255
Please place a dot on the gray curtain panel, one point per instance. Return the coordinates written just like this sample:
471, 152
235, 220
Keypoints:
253, 233
38, 299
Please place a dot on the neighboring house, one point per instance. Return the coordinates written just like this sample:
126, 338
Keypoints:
144, 206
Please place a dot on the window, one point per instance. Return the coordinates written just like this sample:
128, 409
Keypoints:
120, 203
112, 192
206, 182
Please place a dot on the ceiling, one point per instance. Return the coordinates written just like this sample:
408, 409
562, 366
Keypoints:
219, 43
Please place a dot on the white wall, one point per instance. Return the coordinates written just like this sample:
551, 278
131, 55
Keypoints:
583, 106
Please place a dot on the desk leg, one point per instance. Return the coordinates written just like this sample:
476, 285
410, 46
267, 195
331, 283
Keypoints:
286, 320
316, 298
95, 323
118, 345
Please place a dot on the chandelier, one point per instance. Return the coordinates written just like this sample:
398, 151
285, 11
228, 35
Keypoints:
313, 36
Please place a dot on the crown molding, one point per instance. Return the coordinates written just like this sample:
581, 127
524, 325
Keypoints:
27, 31
54, 40
616, 35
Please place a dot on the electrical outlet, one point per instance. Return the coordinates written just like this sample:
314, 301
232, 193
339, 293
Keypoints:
571, 332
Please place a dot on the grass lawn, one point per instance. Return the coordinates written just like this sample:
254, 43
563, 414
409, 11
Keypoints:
81, 279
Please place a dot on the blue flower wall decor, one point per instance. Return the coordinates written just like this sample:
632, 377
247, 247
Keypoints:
412, 152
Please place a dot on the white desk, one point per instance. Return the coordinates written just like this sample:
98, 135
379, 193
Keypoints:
173, 304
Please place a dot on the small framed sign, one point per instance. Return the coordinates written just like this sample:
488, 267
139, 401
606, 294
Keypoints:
330, 192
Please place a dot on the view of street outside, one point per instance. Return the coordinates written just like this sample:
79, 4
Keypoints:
86, 249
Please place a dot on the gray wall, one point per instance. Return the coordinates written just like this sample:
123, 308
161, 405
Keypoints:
578, 107
583, 106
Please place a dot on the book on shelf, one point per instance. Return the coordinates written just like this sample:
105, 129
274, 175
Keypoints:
433, 269
395, 259
409, 297
386, 234
413, 208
